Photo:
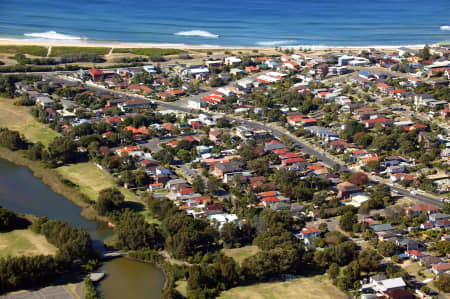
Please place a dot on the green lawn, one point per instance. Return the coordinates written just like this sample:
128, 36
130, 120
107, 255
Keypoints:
19, 118
149, 217
92, 180
240, 254
181, 286
24, 242
316, 287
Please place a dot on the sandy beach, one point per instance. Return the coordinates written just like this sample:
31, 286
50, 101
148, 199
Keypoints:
110, 44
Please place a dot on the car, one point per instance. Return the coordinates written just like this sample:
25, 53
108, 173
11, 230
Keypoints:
413, 192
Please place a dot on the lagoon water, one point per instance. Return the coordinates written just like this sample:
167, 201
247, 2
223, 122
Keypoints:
21, 192
230, 23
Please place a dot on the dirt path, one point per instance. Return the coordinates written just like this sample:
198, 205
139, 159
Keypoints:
49, 51
171, 260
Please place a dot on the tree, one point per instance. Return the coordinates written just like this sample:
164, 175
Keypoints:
212, 185
347, 220
134, 232
373, 165
443, 282
381, 192
446, 208
387, 248
369, 260
109, 200
333, 271
63, 149
198, 184
11, 139
358, 178
443, 247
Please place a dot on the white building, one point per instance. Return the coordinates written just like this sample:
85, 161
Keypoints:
233, 60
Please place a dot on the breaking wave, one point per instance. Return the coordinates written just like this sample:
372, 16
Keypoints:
200, 33
275, 43
53, 35
445, 27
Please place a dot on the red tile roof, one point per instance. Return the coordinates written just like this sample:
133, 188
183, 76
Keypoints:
268, 193
293, 161
441, 266
422, 208
310, 230
95, 72
415, 253
187, 191
271, 199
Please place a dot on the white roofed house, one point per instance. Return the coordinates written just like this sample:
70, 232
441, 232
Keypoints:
44, 101
221, 219
233, 60
380, 285
149, 69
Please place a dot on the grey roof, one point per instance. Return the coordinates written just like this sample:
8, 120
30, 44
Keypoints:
438, 216
378, 277
381, 227
176, 181
393, 283
271, 147
321, 131
232, 166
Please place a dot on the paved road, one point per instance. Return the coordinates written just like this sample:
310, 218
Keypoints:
59, 292
305, 148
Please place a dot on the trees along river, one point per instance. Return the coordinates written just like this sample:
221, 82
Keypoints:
21, 192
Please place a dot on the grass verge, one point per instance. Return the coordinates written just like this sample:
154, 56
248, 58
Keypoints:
315, 287
24, 242
91, 180
18, 118
240, 254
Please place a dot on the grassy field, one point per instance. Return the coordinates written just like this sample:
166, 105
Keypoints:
306, 288
148, 51
58, 51
18, 118
24, 242
32, 50
181, 286
240, 254
91, 180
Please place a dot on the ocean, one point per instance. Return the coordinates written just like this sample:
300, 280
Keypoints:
313, 23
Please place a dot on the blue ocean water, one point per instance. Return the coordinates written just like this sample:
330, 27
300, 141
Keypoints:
230, 22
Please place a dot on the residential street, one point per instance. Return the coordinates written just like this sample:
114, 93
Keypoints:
181, 105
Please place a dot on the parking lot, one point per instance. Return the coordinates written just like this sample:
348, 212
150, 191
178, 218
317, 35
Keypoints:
58, 292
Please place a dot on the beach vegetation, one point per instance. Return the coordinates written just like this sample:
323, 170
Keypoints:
148, 51
30, 50
59, 51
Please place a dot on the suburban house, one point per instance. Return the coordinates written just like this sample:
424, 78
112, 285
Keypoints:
438, 216
414, 254
44, 101
96, 74
385, 285
419, 209
228, 168
137, 103
346, 189
440, 268
214, 135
